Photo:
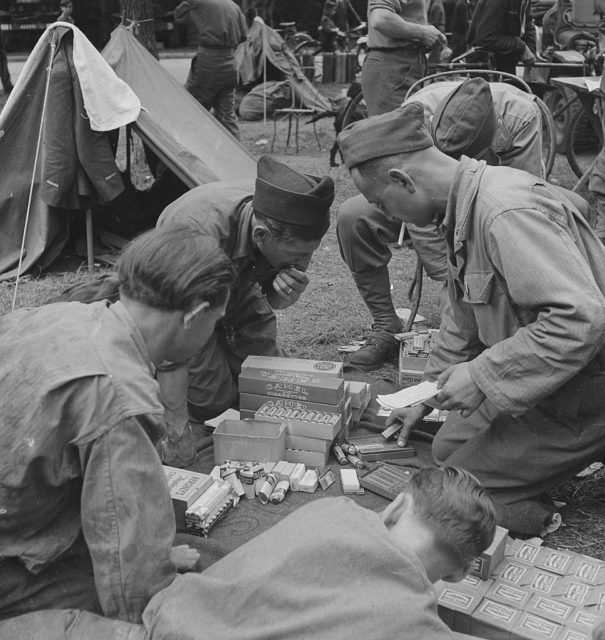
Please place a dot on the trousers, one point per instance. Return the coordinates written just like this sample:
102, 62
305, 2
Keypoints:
519, 458
212, 80
386, 77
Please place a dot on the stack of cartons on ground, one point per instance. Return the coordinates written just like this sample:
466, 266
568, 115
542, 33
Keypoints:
536, 593
308, 396
199, 501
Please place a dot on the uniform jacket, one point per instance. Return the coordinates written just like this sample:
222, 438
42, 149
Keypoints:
503, 26
526, 281
218, 23
78, 413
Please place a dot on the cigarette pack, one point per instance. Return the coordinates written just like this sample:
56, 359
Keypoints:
297, 475
185, 488
325, 476
590, 570
539, 581
572, 634
307, 444
530, 626
372, 448
293, 365
308, 482
522, 551
484, 565
349, 481
253, 402
509, 594
295, 386
309, 458
559, 562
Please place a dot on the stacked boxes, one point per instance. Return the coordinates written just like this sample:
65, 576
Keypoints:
535, 593
185, 488
414, 350
308, 396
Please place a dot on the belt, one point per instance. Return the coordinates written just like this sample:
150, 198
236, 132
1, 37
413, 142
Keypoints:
220, 47
409, 47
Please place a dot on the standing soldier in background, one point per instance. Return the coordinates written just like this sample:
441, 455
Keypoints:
212, 79
4, 73
398, 38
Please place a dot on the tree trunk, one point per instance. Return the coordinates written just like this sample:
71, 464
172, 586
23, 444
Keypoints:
140, 12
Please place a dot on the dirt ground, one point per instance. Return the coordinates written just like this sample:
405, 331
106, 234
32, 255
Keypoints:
331, 312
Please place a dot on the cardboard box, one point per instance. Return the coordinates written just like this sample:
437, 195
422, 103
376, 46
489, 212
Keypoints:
306, 443
293, 365
412, 375
295, 386
486, 563
249, 440
509, 594
185, 488
253, 402
229, 414
325, 429
308, 458
494, 620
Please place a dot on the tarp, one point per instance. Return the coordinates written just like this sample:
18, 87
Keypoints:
265, 44
172, 123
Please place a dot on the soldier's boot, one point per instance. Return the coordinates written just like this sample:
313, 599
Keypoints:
381, 346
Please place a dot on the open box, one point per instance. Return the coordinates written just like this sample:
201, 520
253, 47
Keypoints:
255, 440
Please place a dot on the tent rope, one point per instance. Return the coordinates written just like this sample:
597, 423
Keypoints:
53, 47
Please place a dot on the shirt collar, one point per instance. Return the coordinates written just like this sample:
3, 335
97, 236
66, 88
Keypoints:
124, 317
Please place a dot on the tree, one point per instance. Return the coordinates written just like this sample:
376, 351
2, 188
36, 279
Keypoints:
140, 12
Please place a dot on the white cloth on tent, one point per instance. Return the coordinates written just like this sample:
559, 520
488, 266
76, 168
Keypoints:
110, 103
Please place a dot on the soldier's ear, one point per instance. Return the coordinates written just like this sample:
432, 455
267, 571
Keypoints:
402, 177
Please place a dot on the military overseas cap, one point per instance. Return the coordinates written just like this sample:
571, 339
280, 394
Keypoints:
388, 134
288, 196
464, 122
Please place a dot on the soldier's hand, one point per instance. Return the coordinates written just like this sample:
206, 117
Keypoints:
458, 391
407, 417
431, 37
528, 57
289, 283
184, 557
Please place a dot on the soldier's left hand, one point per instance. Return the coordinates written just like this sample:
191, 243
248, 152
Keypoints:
289, 283
457, 391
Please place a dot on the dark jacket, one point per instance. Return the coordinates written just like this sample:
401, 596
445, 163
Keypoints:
503, 27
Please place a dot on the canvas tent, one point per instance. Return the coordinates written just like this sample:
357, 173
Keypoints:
264, 56
171, 122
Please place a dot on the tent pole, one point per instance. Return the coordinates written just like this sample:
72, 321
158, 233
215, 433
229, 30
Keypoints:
264, 76
90, 247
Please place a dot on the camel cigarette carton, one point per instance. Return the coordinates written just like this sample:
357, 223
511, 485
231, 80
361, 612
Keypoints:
293, 365
253, 402
295, 386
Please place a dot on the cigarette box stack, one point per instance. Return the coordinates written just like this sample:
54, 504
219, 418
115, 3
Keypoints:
308, 396
535, 593
414, 350
185, 488
209, 508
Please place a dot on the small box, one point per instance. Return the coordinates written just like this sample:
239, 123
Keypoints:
493, 620
513, 573
308, 483
572, 591
530, 626
522, 551
253, 402
412, 373
325, 477
309, 458
295, 386
349, 480
297, 475
254, 440
484, 565
185, 488
279, 469
306, 443
293, 365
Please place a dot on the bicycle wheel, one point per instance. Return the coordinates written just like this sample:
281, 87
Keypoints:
356, 110
582, 143
563, 105
549, 137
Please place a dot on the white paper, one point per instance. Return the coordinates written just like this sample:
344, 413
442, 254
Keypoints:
592, 84
407, 397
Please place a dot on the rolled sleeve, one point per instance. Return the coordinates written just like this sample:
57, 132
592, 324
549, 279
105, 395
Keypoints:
548, 278
127, 518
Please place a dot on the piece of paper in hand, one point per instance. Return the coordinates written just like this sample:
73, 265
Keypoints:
407, 397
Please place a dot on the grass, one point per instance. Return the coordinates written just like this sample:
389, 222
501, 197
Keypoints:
331, 312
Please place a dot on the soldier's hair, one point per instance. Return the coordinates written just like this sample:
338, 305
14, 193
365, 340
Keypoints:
377, 169
459, 511
175, 268
288, 231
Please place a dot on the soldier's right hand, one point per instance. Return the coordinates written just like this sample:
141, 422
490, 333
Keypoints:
432, 37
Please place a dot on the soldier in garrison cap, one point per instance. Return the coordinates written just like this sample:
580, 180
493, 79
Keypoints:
270, 230
520, 358
494, 122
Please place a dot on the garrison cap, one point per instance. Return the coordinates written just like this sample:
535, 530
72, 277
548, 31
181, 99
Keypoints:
290, 197
388, 134
464, 122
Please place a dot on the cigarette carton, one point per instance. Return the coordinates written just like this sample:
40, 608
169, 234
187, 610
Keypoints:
572, 634
253, 402
532, 627
308, 458
512, 572
522, 551
295, 386
493, 620
590, 571
509, 594
185, 488
549, 608
582, 620
411, 375
559, 562
455, 607
539, 581
486, 563
307, 444
293, 365
572, 591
